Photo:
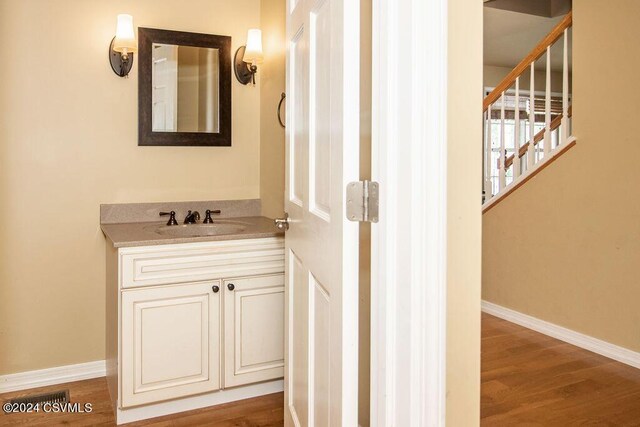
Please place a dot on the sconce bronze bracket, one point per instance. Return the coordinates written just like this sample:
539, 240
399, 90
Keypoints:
119, 65
245, 73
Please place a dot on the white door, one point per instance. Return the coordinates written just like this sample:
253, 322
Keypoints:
321, 245
254, 329
170, 342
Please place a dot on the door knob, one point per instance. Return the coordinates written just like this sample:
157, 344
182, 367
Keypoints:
231, 286
215, 289
282, 223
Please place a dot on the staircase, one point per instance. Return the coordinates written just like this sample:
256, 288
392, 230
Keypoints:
526, 130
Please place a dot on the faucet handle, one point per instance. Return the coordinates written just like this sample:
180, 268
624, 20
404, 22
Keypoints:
207, 218
172, 217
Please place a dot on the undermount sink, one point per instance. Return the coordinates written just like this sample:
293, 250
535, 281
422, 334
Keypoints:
199, 230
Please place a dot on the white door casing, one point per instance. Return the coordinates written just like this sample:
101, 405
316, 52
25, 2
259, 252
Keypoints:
409, 243
321, 246
254, 329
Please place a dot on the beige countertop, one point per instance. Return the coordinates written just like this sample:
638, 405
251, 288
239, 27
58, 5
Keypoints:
158, 233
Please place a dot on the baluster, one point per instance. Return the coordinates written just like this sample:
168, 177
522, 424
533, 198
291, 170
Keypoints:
516, 142
531, 160
547, 107
488, 190
503, 171
564, 124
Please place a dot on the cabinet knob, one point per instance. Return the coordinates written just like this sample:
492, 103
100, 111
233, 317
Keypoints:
215, 289
231, 286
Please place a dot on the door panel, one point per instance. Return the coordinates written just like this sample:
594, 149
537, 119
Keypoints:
298, 123
322, 157
170, 342
320, 343
156, 328
254, 329
319, 113
297, 381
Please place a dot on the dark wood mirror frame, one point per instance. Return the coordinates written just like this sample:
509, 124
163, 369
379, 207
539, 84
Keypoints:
146, 38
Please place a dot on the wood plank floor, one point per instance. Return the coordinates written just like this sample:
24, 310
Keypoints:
263, 411
528, 379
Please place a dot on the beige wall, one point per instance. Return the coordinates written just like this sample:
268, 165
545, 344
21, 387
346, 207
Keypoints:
565, 247
68, 142
464, 219
272, 84
364, 313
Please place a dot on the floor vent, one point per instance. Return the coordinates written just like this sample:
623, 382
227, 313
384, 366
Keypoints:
54, 397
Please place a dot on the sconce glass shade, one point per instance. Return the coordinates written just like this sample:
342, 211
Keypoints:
253, 51
125, 40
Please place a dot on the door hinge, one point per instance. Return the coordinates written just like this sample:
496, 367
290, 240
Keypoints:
362, 201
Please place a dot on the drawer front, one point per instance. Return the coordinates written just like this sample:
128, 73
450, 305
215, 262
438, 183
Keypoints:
191, 262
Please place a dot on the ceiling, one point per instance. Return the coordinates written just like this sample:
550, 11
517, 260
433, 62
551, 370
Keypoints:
548, 8
509, 36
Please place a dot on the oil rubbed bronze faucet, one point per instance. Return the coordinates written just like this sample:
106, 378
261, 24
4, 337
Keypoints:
172, 217
207, 218
192, 218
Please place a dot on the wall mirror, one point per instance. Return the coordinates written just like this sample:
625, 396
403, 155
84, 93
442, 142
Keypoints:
184, 88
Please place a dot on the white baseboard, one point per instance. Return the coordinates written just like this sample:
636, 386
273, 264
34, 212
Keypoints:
51, 376
586, 342
130, 415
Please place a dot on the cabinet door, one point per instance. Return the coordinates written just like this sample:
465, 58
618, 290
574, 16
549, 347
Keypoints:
170, 342
254, 329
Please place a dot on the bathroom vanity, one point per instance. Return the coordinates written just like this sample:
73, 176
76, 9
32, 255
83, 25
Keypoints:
195, 313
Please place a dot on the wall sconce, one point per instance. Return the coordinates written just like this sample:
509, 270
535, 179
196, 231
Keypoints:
247, 57
123, 46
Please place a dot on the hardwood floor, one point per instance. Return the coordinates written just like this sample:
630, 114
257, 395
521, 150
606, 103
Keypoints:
528, 379
263, 411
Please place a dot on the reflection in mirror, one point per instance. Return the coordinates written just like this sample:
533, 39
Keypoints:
185, 89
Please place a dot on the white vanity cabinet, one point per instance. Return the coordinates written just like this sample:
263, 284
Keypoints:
194, 324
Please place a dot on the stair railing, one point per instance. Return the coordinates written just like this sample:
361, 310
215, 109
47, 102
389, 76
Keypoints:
554, 134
